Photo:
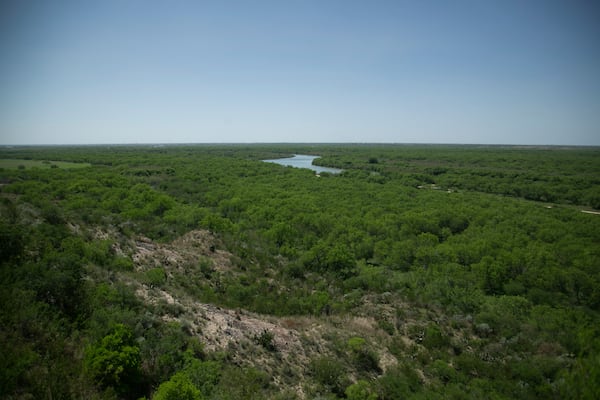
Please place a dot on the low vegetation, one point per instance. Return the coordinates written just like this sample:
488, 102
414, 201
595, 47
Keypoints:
9, 163
200, 272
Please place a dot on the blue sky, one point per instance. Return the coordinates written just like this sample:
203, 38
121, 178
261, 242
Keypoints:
465, 71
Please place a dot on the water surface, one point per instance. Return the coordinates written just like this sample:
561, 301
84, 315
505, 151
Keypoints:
303, 161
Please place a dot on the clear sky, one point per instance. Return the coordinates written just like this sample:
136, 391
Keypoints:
141, 71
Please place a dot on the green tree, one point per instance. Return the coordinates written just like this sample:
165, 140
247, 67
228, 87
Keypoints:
330, 373
341, 260
364, 359
179, 387
583, 380
361, 390
435, 338
242, 384
115, 360
11, 242
205, 375
155, 277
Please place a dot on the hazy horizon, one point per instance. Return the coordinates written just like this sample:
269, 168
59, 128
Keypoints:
432, 72
176, 144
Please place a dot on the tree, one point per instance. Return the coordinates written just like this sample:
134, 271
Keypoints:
330, 373
360, 390
11, 242
179, 387
583, 380
340, 260
364, 359
115, 360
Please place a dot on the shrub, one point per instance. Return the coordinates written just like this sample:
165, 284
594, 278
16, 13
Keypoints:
360, 390
330, 373
434, 338
367, 361
364, 359
205, 375
155, 276
387, 326
242, 383
115, 360
443, 371
12, 242
265, 339
122, 264
356, 344
179, 387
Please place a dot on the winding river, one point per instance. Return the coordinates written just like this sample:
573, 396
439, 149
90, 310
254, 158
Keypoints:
303, 161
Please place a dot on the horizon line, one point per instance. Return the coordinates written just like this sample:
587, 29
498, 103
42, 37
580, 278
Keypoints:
172, 144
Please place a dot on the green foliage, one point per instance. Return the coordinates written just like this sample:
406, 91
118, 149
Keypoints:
398, 382
115, 360
195, 380
242, 383
330, 373
57, 280
12, 242
21, 317
363, 358
505, 314
361, 390
386, 325
265, 339
162, 350
205, 375
356, 344
434, 338
367, 361
155, 276
583, 380
501, 292
179, 387
443, 371
340, 259
122, 264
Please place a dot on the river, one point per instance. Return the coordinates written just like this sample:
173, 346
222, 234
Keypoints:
303, 161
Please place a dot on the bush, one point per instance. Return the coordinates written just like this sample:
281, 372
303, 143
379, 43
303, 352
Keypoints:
115, 360
365, 360
265, 339
205, 375
443, 371
360, 390
242, 384
122, 264
155, 277
434, 338
12, 242
330, 373
356, 344
387, 326
179, 387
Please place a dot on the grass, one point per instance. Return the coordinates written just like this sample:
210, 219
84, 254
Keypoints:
9, 163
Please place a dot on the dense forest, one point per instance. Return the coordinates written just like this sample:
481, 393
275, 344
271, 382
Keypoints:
200, 272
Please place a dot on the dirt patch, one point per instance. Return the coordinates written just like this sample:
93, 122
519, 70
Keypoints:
189, 249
